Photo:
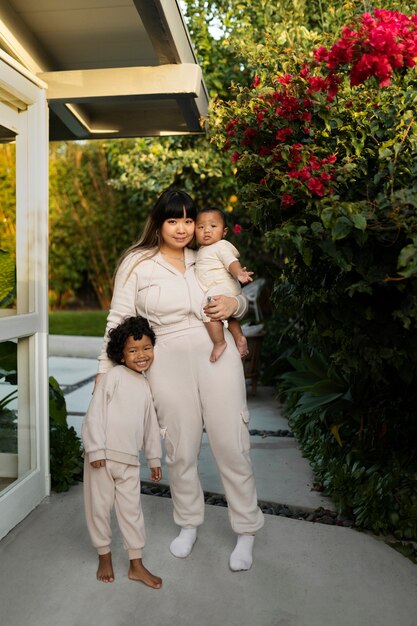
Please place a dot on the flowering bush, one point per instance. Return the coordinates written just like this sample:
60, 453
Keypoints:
380, 44
326, 160
306, 135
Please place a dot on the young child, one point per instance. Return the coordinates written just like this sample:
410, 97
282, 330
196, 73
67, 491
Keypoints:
219, 273
120, 421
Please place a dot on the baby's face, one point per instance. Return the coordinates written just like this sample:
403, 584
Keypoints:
209, 228
138, 354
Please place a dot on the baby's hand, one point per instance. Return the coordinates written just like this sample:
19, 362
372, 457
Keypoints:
156, 474
244, 276
99, 463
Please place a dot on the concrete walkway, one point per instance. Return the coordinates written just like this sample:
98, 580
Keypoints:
304, 574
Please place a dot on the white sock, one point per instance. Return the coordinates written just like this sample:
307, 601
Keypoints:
183, 544
241, 557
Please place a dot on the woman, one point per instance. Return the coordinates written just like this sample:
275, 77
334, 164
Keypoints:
155, 278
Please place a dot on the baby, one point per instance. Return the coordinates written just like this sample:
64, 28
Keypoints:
219, 273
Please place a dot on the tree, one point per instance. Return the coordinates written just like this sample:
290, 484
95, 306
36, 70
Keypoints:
91, 222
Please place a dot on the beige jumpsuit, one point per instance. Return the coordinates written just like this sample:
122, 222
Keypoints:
189, 391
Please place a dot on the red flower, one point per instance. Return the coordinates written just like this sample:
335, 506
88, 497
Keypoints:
284, 80
304, 173
248, 137
317, 83
230, 125
237, 229
316, 186
321, 54
314, 163
235, 157
283, 133
287, 200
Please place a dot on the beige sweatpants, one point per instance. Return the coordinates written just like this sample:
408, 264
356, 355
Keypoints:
118, 485
191, 392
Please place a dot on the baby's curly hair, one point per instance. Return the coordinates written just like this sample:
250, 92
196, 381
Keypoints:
135, 327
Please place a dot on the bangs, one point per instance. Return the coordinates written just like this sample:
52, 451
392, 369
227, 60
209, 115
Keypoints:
172, 204
177, 205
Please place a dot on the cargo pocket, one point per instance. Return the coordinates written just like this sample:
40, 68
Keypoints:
244, 431
169, 446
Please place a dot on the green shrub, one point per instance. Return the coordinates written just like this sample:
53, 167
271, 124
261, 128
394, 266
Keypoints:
66, 463
324, 143
65, 446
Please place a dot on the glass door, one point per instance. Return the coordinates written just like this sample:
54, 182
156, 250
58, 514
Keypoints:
24, 467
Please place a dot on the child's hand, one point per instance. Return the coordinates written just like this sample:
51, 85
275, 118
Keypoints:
99, 463
96, 381
156, 474
244, 276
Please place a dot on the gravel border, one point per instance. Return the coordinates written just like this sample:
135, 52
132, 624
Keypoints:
320, 515
271, 433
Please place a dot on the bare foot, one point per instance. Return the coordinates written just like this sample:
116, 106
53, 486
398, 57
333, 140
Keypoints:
218, 349
242, 345
105, 572
137, 571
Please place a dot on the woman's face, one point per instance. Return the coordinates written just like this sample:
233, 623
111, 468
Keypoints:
177, 232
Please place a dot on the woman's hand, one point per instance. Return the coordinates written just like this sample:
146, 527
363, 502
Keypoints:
98, 464
221, 307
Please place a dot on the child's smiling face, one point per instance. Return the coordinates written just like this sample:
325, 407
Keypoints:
209, 228
138, 354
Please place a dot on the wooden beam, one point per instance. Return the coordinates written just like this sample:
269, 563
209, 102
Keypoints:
151, 82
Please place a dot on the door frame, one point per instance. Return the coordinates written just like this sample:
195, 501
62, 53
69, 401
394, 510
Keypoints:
24, 110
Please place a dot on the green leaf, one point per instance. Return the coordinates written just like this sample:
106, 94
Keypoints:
342, 228
327, 387
359, 221
57, 404
309, 403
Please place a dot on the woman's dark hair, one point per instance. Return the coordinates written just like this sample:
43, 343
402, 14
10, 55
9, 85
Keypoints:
171, 203
136, 327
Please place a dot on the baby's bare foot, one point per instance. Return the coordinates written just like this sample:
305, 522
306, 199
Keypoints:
242, 345
105, 572
218, 349
138, 572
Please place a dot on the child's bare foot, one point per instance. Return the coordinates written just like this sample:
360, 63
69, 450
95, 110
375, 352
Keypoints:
105, 572
218, 349
137, 571
242, 345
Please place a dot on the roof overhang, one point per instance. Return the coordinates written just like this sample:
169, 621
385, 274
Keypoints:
122, 69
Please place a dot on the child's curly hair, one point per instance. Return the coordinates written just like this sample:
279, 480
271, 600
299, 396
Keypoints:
135, 327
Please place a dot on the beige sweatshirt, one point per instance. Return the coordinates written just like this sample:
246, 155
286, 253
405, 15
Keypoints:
121, 420
154, 289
